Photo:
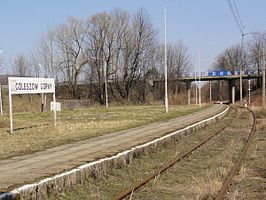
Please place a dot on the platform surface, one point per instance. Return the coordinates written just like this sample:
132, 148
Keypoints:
21, 170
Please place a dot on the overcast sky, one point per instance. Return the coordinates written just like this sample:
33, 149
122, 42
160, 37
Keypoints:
205, 26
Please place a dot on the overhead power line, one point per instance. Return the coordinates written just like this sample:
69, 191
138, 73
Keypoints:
236, 15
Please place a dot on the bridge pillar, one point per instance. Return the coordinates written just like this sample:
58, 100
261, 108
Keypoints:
210, 91
233, 94
188, 88
220, 91
232, 91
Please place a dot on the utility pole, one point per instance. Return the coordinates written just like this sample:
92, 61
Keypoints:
196, 89
199, 83
242, 62
263, 79
165, 62
105, 84
241, 68
1, 101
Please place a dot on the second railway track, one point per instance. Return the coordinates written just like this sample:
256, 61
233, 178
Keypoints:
230, 131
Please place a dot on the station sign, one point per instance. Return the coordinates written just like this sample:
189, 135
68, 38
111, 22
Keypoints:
28, 85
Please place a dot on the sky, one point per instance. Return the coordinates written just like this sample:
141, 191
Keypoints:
207, 27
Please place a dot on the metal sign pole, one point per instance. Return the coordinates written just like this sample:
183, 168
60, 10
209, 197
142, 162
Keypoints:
249, 91
42, 102
54, 109
10, 112
1, 101
263, 79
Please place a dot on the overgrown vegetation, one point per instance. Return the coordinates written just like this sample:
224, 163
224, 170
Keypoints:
117, 45
250, 183
198, 177
76, 125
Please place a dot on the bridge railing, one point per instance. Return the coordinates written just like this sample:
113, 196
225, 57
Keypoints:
219, 73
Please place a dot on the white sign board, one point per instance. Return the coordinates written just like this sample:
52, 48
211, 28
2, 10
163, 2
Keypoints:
28, 85
55, 106
25, 85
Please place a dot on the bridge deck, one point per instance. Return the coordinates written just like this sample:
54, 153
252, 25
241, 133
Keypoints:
211, 78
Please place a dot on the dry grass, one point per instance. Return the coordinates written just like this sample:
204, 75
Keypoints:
251, 180
198, 177
202, 175
76, 125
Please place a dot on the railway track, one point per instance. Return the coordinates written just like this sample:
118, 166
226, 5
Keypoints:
123, 194
237, 165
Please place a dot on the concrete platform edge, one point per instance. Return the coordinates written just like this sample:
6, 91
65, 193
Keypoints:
58, 183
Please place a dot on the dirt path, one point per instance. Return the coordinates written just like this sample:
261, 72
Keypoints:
21, 170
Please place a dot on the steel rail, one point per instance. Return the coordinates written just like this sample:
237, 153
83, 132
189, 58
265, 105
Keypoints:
237, 165
139, 184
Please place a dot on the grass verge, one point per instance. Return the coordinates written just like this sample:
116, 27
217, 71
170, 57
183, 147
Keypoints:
198, 177
74, 125
250, 183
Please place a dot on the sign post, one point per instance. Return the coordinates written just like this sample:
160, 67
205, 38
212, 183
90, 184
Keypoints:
54, 110
1, 101
10, 111
26, 85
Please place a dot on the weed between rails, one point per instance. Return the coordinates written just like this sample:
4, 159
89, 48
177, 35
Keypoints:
200, 175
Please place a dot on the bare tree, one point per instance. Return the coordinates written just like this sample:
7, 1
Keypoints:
178, 60
122, 44
33, 63
178, 63
230, 59
125, 47
99, 50
48, 55
71, 54
255, 51
21, 65
139, 44
121, 27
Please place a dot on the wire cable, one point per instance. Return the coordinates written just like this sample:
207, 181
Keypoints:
238, 15
236, 18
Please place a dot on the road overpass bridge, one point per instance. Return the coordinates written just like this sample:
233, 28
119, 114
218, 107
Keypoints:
221, 75
212, 78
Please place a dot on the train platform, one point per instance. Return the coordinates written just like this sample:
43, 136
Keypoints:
28, 169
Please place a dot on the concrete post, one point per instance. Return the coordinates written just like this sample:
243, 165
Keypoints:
220, 91
188, 87
196, 93
232, 91
210, 92
233, 94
